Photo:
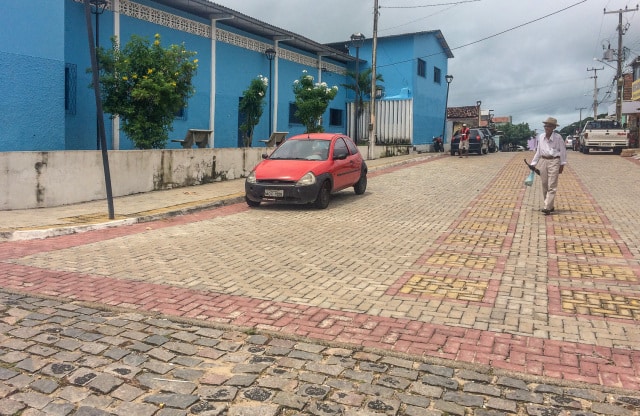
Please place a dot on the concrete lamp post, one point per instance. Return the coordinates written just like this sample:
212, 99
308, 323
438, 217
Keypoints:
478, 104
449, 78
357, 40
97, 8
271, 54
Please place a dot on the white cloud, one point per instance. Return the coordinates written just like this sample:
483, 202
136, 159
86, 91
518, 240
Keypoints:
531, 71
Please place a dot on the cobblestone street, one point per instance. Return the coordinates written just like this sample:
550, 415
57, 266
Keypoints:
443, 290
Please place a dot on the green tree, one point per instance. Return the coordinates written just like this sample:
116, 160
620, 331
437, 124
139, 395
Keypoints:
146, 85
312, 100
251, 106
364, 85
517, 134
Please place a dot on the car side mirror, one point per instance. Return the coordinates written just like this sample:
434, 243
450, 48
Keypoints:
340, 154
264, 155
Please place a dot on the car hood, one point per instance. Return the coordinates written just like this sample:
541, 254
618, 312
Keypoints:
287, 170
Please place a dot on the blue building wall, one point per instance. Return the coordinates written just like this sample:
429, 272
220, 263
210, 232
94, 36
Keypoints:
80, 120
397, 62
46, 42
237, 67
429, 93
31, 75
81, 128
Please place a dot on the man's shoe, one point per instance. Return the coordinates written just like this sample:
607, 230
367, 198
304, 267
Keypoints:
546, 211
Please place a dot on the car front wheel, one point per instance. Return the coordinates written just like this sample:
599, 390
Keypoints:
322, 200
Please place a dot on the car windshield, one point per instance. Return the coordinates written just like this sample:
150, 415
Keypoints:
307, 149
603, 125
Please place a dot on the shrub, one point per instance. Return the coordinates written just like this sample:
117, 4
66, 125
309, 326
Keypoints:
146, 85
251, 106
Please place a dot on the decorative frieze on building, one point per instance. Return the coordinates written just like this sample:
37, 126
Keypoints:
162, 18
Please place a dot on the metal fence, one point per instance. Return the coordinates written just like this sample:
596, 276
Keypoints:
394, 122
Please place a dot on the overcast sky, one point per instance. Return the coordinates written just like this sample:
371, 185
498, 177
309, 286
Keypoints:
528, 59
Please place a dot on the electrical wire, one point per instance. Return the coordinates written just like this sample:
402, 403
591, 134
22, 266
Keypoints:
428, 5
519, 26
496, 34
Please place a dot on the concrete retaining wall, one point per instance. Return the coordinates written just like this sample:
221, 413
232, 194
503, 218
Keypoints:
47, 179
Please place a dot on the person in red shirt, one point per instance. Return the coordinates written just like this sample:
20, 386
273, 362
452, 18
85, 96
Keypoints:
463, 147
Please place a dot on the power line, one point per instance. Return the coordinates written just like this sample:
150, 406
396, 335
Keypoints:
429, 5
496, 34
519, 26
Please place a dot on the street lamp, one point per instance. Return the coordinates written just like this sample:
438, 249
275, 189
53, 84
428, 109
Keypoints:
478, 103
270, 53
449, 78
98, 7
357, 40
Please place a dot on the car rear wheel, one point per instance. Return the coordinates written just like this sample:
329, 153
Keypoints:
251, 203
322, 200
361, 185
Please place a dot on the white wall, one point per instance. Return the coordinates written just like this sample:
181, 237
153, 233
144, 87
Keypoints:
48, 179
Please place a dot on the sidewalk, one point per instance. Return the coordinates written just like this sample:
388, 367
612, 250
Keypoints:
68, 219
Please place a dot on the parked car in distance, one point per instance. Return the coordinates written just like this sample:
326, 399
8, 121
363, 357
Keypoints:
491, 142
478, 143
306, 169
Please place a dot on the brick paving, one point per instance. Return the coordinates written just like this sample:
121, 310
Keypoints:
442, 290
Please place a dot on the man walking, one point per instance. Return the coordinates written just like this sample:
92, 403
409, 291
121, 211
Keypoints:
550, 158
463, 146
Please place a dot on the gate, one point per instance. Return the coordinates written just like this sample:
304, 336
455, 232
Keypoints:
394, 122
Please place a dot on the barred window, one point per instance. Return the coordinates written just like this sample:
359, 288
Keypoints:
292, 114
335, 117
437, 77
422, 68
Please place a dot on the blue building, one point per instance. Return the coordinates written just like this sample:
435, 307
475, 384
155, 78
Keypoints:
47, 103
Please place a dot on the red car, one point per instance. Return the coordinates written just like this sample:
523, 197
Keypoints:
305, 169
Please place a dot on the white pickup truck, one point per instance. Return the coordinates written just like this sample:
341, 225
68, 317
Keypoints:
603, 135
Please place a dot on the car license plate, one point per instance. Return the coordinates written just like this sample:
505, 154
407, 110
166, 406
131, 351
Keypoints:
274, 193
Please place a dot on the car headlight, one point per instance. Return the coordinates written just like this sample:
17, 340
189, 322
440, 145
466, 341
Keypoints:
252, 177
308, 179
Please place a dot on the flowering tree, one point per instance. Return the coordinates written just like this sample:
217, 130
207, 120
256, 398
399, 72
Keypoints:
146, 85
312, 101
251, 106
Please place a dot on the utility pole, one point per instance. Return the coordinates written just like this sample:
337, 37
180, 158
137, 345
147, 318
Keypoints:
619, 80
374, 89
595, 90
